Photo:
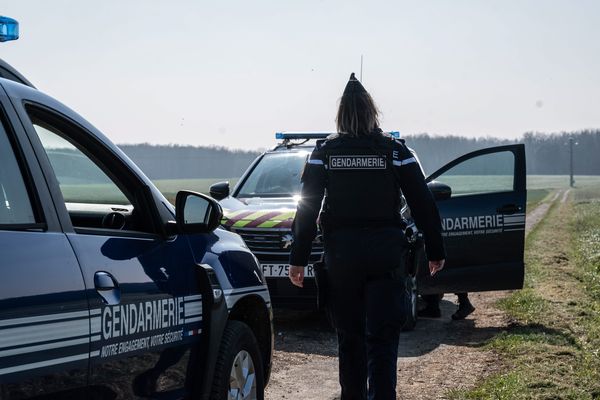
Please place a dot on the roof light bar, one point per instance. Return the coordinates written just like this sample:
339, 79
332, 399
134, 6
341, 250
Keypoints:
315, 135
9, 29
302, 135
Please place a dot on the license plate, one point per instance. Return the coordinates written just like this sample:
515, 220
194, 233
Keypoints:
281, 270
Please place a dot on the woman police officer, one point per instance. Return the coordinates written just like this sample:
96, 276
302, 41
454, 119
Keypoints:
360, 171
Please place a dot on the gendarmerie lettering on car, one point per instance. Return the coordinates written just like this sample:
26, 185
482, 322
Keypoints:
355, 162
146, 324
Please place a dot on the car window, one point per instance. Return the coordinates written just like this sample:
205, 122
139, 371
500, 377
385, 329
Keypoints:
80, 179
15, 205
487, 173
95, 198
277, 174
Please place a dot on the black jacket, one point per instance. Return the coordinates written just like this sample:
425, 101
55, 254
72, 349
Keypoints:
358, 175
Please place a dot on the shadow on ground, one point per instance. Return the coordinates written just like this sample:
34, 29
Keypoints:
309, 332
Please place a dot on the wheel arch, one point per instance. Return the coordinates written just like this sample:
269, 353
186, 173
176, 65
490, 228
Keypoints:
254, 312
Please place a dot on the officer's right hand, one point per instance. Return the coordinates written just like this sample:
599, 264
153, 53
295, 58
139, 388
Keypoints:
296, 274
436, 266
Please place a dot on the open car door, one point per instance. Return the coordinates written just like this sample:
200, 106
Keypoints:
481, 197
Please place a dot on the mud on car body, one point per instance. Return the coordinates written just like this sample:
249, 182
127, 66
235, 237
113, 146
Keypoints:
107, 290
481, 197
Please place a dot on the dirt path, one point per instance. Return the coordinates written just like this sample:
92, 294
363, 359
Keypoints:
439, 355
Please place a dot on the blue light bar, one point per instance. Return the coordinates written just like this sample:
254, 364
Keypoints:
9, 29
302, 135
315, 135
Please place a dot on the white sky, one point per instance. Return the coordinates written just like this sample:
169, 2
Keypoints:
231, 73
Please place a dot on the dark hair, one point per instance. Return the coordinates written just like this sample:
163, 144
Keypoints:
357, 114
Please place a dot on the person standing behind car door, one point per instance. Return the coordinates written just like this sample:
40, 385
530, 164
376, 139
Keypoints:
362, 170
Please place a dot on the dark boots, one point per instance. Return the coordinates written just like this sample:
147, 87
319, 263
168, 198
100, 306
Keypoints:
464, 307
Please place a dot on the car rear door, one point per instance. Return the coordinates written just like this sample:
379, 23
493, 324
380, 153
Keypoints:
44, 317
483, 221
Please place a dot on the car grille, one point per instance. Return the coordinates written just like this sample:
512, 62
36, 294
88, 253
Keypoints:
272, 242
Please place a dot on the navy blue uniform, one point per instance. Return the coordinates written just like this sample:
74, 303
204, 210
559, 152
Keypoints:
361, 179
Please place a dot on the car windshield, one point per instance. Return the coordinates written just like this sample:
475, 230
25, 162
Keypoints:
276, 175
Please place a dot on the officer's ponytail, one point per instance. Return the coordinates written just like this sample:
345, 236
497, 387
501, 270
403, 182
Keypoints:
357, 114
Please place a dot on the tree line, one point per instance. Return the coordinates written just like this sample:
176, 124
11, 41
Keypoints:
547, 154
188, 162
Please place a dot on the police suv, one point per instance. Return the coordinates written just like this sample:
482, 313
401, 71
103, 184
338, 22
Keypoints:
107, 290
481, 197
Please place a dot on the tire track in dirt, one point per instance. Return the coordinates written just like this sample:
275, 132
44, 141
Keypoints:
439, 355
565, 196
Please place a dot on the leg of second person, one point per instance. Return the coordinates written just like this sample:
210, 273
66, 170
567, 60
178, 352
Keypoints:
348, 314
464, 306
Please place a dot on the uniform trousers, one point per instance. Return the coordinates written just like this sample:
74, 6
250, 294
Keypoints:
368, 305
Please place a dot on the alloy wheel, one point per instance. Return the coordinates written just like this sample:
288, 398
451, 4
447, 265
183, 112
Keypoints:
242, 379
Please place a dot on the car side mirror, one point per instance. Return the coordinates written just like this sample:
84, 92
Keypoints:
439, 190
196, 212
219, 190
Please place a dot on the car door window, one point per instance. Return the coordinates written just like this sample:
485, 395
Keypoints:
80, 179
15, 205
487, 173
94, 197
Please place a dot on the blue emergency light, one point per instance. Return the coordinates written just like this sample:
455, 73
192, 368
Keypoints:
315, 135
9, 29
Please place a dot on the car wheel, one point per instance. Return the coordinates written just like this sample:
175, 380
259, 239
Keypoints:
411, 303
238, 371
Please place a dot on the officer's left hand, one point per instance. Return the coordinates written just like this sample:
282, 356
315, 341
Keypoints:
296, 274
436, 266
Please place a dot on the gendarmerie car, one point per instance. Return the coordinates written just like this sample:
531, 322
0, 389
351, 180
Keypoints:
107, 290
481, 197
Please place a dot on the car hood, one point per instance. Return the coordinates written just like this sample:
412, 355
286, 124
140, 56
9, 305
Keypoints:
268, 213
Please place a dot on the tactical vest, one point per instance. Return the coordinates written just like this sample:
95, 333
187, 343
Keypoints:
361, 188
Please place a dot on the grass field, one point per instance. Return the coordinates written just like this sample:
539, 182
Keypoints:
538, 186
560, 181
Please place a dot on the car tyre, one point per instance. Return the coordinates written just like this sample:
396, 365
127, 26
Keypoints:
412, 295
238, 370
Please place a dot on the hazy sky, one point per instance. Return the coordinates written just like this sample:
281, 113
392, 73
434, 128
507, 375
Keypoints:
232, 73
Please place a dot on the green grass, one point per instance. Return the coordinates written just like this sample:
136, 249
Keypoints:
538, 186
99, 193
536, 196
525, 305
587, 193
551, 350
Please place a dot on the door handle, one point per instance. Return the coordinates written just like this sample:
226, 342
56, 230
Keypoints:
107, 287
509, 209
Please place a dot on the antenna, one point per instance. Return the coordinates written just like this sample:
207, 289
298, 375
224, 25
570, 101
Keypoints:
361, 65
